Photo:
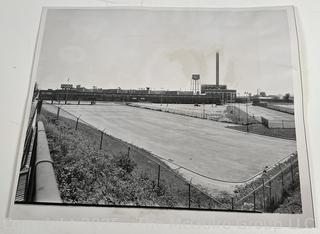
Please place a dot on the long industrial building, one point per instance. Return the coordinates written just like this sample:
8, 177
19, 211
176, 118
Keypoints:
210, 93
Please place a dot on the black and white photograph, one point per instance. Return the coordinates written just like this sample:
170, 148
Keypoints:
167, 109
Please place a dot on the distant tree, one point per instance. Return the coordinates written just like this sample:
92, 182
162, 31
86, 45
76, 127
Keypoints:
263, 94
35, 91
35, 86
286, 96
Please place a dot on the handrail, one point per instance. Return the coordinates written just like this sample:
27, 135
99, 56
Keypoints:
46, 187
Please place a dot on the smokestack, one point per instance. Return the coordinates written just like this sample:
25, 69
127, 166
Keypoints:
217, 69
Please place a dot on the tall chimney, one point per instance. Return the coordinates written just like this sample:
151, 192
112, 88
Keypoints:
217, 69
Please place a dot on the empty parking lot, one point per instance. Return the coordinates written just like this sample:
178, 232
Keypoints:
206, 147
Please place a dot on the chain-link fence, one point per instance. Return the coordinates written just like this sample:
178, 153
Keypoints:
201, 112
268, 191
239, 116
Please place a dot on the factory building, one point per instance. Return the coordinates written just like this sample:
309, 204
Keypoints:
218, 91
204, 94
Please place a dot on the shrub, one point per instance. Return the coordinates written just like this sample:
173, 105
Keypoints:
125, 162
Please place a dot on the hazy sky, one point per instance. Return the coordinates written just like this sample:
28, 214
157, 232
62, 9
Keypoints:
162, 49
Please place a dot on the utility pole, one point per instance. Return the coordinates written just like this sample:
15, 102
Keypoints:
66, 98
233, 110
247, 117
247, 100
239, 109
161, 89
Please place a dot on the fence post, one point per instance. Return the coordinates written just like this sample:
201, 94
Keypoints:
291, 167
282, 180
210, 203
77, 123
232, 203
101, 139
158, 175
263, 195
247, 116
254, 200
58, 112
39, 106
270, 192
189, 194
128, 151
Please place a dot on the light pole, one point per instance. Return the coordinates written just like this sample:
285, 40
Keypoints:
161, 97
167, 99
247, 99
68, 82
204, 111
233, 110
239, 109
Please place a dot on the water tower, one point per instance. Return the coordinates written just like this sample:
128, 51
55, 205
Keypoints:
195, 83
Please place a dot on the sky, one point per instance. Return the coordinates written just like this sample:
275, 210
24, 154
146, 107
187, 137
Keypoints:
161, 49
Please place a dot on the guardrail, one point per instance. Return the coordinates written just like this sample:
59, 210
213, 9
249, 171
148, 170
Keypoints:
46, 186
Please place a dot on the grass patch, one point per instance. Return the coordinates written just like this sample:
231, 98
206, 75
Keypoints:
291, 202
284, 133
238, 116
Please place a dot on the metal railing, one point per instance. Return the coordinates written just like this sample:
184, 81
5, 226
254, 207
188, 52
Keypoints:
36, 182
25, 188
46, 187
